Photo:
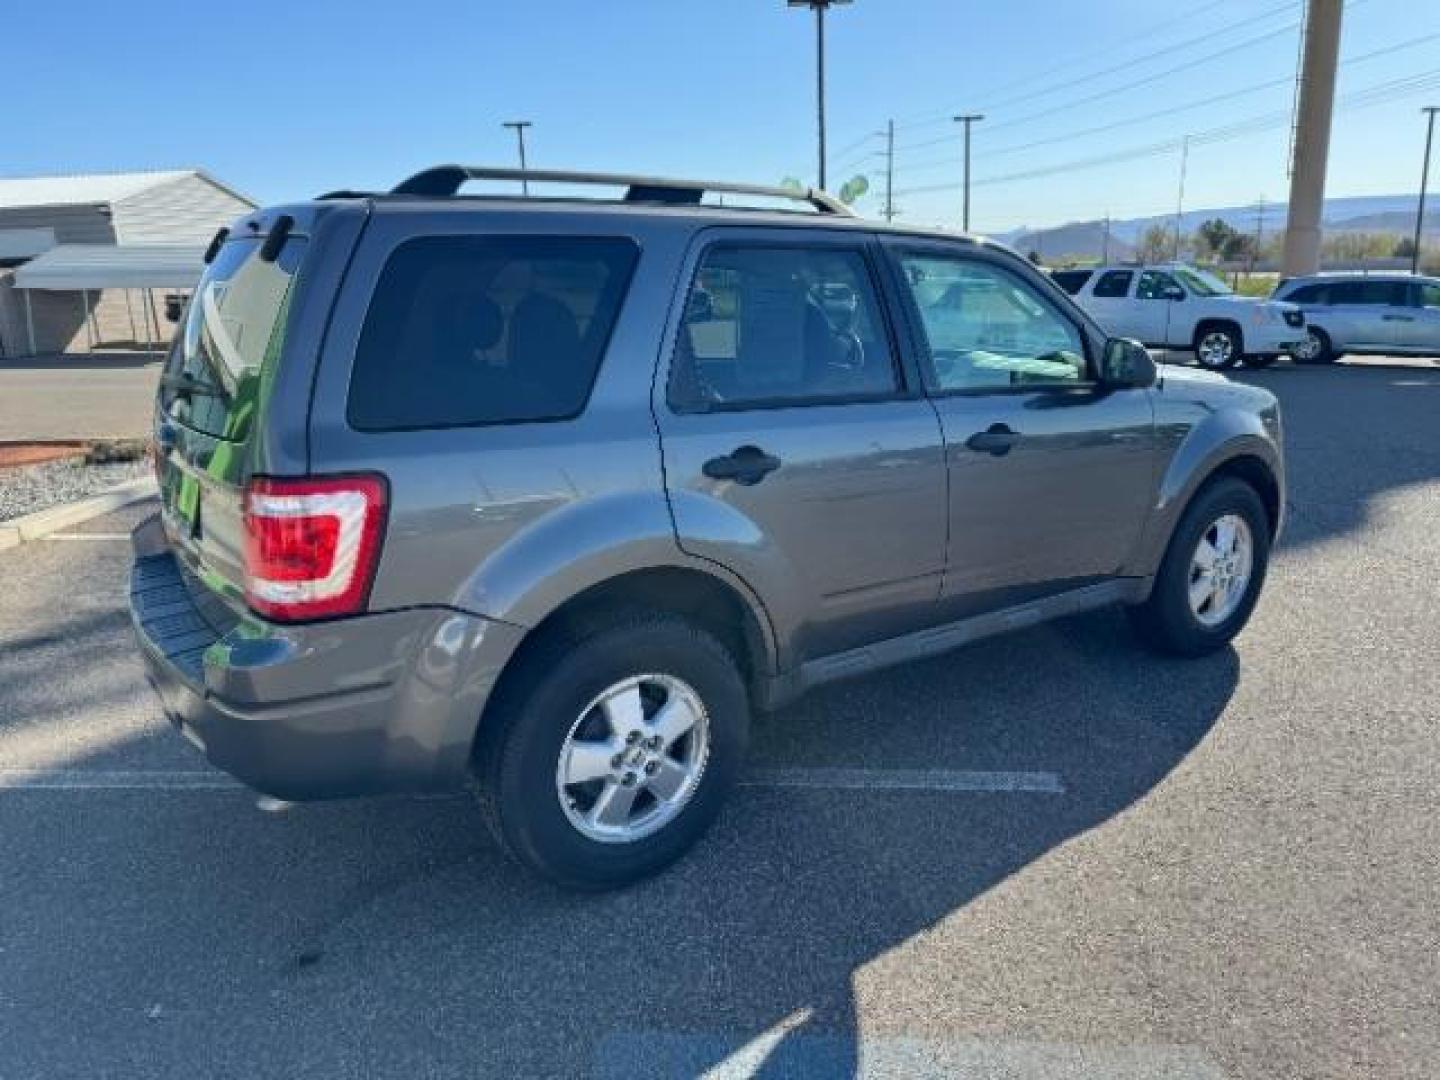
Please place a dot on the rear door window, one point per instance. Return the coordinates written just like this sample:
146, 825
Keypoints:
471, 330
1114, 283
232, 332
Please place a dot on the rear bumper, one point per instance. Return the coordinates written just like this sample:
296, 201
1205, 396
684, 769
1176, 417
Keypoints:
374, 704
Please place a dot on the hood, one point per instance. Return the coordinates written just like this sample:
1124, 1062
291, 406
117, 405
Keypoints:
1253, 301
1210, 387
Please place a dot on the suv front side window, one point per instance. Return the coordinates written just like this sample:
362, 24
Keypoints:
986, 329
1158, 285
772, 325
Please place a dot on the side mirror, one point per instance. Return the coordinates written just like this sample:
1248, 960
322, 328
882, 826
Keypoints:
1126, 365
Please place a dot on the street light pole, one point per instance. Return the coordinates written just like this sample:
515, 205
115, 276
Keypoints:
967, 119
819, 7
1180, 198
1431, 110
520, 126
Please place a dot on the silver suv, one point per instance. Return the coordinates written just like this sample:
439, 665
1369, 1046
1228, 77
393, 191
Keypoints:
547, 495
1379, 314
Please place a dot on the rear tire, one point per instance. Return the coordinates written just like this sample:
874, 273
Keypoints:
552, 718
1173, 621
1218, 346
1316, 348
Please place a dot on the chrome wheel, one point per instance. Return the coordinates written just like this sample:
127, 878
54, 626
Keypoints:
1220, 570
633, 758
1216, 349
1309, 349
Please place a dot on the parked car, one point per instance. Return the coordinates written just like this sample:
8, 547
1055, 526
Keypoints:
476, 489
1385, 314
1176, 306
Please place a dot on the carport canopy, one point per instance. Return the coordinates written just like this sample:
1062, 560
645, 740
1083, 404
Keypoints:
82, 267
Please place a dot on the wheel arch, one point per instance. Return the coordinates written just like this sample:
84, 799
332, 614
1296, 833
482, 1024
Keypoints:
1231, 443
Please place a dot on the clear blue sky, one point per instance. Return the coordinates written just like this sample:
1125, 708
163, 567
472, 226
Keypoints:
286, 100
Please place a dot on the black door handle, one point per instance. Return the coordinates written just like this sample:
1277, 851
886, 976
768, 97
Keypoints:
745, 465
997, 440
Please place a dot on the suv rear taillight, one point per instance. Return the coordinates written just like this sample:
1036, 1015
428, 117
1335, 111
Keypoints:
312, 545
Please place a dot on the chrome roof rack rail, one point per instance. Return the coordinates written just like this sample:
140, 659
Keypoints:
444, 180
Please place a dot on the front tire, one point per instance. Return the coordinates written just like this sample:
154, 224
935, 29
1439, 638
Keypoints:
608, 754
1218, 346
1315, 349
1212, 573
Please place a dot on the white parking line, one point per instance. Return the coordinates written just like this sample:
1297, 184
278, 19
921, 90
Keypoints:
88, 536
938, 780
101, 780
952, 780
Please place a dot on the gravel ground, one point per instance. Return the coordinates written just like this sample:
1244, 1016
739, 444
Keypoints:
37, 487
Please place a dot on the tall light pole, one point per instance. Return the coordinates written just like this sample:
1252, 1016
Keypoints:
1431, 110
520, 126
819, 7
967, 119
1180, 198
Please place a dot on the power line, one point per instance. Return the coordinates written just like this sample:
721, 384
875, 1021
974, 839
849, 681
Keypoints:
1166, 52
1069, 136
1381, 93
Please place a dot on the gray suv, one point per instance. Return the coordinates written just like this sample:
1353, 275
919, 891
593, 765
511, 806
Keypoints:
547, 495
1378, 314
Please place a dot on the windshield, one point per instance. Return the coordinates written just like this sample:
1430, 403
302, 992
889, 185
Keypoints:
1202, 282
231, 330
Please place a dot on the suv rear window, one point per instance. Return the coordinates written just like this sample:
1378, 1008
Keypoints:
1072, 281
232, 331
470, 330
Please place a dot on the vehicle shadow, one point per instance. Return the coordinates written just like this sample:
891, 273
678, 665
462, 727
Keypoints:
1353, 434
401, 925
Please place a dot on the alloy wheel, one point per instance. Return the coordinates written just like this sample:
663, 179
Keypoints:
633, 758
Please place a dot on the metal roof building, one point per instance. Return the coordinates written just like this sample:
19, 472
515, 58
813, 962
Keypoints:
89, 239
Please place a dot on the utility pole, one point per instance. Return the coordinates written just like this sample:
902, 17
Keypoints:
1180, 199
1430, 110
520, 126
890, 171
967, 119
1312, 137
819, 7
1105, 243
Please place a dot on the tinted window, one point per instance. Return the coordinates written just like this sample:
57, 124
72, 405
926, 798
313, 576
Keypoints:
1072, 281
1157, 285
1429, 294
986, 329
1114, 283
469, 330
1367, 292
1308, 294
771, 325
232, 331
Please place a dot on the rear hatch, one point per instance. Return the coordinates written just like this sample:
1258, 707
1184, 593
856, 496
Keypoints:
213, 400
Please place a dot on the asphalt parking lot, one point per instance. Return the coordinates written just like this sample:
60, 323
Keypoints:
1220, 868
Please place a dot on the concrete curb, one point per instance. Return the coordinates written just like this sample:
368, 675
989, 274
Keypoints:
30, 527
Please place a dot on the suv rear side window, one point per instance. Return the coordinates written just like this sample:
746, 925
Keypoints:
1114, 283
232, 331
770, 325
471, 330
1072, 281
1368, 292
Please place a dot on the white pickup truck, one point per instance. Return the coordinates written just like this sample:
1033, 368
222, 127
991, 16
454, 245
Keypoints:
1176, 306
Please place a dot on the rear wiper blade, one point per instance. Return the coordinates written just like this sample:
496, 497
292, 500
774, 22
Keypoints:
187, 385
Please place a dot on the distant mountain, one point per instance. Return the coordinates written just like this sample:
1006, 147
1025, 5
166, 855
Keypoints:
1081, 240
1351, 213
